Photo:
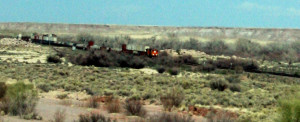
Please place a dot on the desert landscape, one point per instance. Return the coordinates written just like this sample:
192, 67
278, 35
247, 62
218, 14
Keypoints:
201, 74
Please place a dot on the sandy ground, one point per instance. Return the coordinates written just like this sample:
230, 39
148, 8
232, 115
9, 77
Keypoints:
47, 108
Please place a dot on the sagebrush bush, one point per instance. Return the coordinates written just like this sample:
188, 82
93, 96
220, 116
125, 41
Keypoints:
235, 87
170, 117
134, 107
53, 59
20, 99
46, 87
289, 110
3, 89
94, 117
172, 98
219, 84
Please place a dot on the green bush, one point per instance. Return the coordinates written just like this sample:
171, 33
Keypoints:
220, 84
21, 100
289, 110
235, 87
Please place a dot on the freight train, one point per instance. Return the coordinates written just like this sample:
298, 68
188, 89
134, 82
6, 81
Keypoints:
51, 39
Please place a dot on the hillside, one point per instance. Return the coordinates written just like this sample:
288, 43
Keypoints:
266, 34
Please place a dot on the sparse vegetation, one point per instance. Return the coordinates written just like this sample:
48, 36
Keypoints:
21, 100
94, 117
289, 109
113, 106
59, 116
93, 102
221, 116
62, 96
172, 98
253, 92
170, 117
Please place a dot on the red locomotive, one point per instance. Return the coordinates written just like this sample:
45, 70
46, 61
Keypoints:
148, 51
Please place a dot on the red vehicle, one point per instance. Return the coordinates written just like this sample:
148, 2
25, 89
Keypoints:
149, 52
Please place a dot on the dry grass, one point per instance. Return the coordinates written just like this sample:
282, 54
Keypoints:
59, 116
170, 117
66, 102
93, 102
94, 117
113, 106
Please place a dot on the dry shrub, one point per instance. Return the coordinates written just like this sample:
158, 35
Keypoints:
53, 59
221, 116
62, 96
172, 98
93, 102
113, 106
170, 117
59, 116
94, 117
66, 102
3, 89
134, 107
